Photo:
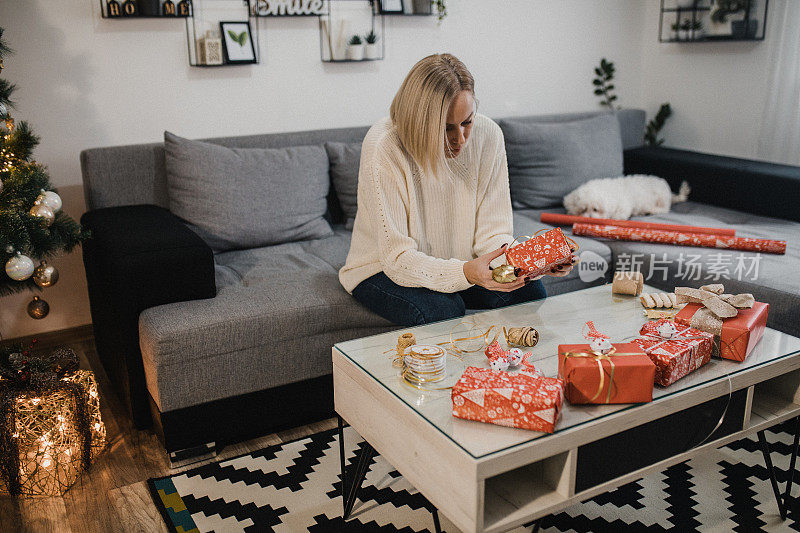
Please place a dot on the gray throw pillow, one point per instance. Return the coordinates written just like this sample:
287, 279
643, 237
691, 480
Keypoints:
548, 160
344, 159
247, 197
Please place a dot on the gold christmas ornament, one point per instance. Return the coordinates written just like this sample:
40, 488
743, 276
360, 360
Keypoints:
19, 267
38, 308
45, 275
44, 214
504, 274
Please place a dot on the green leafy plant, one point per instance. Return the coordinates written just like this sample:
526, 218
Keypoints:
686, 25
655, 125
441, 9
239, 38
602, 83
697, 25
355, 40
371, 38
603, 87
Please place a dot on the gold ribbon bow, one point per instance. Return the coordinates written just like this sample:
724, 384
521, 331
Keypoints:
716, 305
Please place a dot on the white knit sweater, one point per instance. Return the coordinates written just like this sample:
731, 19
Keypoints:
421, 229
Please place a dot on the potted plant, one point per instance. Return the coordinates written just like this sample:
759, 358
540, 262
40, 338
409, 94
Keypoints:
355, 49
675, 34
684, 30
697, 30
371, 49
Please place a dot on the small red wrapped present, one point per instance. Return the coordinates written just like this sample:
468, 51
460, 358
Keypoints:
677, 352
513, 400
539, 254
624, 375
737, 335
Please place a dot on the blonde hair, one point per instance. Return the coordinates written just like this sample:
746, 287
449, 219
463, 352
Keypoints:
419, 109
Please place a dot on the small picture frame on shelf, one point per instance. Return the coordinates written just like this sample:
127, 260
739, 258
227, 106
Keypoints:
237, 42
392, 6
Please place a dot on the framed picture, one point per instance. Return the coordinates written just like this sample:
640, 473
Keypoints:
237, 42
392, 6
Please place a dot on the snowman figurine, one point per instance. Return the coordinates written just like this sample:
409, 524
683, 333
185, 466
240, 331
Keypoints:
666, 330
600, 345
499, 363
514, 356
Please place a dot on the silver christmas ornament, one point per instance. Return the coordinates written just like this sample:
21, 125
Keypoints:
3, 110
19, 267
45, 275
50, 199
44, 213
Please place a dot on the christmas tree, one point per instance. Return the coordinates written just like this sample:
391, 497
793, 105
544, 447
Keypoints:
32, 225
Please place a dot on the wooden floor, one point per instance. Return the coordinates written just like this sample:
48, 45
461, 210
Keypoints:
113, 495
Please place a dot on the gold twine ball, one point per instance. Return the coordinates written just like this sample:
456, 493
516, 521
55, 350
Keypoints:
38, 308
45, 275
504, 274
45, 215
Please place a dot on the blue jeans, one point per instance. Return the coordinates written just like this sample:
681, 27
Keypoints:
413, 306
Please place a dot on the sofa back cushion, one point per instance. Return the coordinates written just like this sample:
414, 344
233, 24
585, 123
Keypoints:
548, 160
344, 159
247, 197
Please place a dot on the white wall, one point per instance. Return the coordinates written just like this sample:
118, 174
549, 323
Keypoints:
84, 81
717, 90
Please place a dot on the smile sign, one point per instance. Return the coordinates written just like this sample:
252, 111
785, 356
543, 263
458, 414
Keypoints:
288, 8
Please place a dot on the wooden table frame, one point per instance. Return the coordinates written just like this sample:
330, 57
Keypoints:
517, 485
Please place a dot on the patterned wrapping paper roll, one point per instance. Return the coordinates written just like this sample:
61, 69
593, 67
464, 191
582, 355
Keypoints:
678, 238
557, 219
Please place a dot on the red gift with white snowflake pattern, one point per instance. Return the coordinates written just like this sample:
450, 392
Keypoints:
682, 352
513, 400
540, 253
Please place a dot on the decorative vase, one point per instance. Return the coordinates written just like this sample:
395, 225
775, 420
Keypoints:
372, 51
355, 52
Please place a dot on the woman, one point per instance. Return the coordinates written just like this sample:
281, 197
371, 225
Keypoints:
434, 210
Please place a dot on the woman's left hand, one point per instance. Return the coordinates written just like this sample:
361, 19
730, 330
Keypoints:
563, 269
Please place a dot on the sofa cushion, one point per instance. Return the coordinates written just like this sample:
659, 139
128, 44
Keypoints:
770, 278
272, 324
548, 160
344, 160
247, 197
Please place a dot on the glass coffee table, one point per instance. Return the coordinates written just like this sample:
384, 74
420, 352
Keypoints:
485, 477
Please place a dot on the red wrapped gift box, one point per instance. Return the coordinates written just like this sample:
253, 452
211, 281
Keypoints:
624, 378
739, 334
539, 254
513, 400
685, 352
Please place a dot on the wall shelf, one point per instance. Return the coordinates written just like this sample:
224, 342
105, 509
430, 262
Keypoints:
708, 21
345, 18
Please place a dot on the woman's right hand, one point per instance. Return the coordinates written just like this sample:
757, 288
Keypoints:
478, 272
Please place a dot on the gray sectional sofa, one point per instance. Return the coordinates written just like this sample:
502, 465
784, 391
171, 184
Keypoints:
219, 346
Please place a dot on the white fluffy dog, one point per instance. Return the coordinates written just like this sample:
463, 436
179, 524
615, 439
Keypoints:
624, 197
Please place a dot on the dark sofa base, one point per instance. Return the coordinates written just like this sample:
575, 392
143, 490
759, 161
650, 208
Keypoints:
243, 417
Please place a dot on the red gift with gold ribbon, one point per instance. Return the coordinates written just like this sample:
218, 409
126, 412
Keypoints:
624, 375
540, 253
737, 335
676, 354
513, 400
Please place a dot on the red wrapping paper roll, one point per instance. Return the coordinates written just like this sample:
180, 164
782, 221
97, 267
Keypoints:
557, 219
680, 238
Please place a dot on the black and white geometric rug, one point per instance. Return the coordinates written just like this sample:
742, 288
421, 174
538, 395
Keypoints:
296, 486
